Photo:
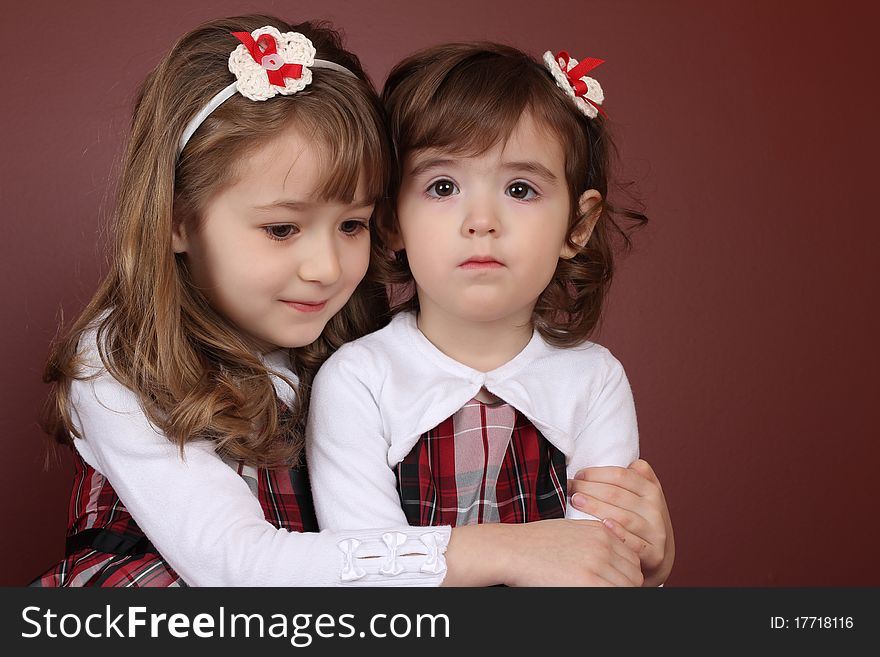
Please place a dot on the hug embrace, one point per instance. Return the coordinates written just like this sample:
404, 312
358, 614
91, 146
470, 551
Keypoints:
344, 338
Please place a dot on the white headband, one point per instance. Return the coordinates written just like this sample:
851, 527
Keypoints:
266, 63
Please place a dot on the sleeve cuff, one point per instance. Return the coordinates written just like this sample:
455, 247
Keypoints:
411, 556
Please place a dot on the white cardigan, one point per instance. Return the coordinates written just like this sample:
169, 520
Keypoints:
205, 521
373, 399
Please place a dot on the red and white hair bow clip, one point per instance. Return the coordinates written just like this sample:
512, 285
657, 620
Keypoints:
268, 63
571, 77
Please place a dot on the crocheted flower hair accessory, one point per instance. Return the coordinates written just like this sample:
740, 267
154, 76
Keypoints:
265, 63
571, 77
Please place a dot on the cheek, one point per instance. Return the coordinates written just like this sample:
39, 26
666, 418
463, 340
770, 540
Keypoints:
428, 259
426, 240
551, 238
236, 269
543, 256
356, 261
421, 221
213, 253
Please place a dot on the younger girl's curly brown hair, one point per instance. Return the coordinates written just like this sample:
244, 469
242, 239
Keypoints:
463, 98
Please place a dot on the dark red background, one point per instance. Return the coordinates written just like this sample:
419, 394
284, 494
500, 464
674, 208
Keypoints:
746, 317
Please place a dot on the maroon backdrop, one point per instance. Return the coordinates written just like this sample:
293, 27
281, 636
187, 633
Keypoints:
746, 317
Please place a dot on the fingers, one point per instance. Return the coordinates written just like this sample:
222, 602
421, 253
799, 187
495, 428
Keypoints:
644, 468
610, 500
633, 520
607, 557
638, 546
625, 478
604, 500
614, 563
625, 570
615, 577
631, 503
625, 552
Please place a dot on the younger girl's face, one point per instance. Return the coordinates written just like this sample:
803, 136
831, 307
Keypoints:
270, 257
483, 234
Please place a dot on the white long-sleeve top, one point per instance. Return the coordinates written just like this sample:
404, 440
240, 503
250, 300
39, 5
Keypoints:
204, 520
374, 398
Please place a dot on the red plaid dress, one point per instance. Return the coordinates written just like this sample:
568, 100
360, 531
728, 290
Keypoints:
105, 547
486, 463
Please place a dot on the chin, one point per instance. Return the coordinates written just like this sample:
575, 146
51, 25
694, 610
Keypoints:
299, 341
482, 313
306, 336
482, 307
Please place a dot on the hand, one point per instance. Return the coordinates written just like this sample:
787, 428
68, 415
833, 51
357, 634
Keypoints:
631, 504
543, 553
573, 553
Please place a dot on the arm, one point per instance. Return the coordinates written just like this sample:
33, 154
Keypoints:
629, 500
352, 484
610, 436
544, 553
204, 520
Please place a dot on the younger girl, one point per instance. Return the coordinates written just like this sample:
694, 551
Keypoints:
483, 396
242, 257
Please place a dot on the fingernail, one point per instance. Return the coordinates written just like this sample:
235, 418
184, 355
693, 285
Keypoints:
578, 499
608, 523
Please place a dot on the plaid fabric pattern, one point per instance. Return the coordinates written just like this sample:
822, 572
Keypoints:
486, 463
105, 547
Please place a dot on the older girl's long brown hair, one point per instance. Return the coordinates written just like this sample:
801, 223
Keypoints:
194, 374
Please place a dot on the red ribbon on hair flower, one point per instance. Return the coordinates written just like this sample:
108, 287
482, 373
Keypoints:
575, 74
264, 50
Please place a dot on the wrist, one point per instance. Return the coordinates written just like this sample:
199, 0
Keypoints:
480, 555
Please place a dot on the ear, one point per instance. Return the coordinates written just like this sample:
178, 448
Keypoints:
589, 209
179, 241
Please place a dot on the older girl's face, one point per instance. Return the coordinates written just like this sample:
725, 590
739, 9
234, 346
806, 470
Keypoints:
272, 258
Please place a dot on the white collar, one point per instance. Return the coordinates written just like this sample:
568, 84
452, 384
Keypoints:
416, 386
278, 360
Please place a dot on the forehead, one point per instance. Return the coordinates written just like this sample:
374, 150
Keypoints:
300, 165
528, 139
286, 162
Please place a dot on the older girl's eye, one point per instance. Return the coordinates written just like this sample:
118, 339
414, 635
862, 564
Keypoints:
353, 227
442, 189
281, 231
521, 191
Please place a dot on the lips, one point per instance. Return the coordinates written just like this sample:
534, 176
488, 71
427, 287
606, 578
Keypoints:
306, 306
481, 262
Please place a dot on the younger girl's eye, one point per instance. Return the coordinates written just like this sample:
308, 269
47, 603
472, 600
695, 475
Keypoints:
521, 191
442, 188
353, 227
281, 231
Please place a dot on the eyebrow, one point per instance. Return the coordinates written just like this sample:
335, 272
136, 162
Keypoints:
302, 206
527, 166
530, 166
431, 163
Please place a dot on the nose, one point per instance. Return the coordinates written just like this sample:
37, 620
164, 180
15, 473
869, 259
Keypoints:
319, 261
481, 218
